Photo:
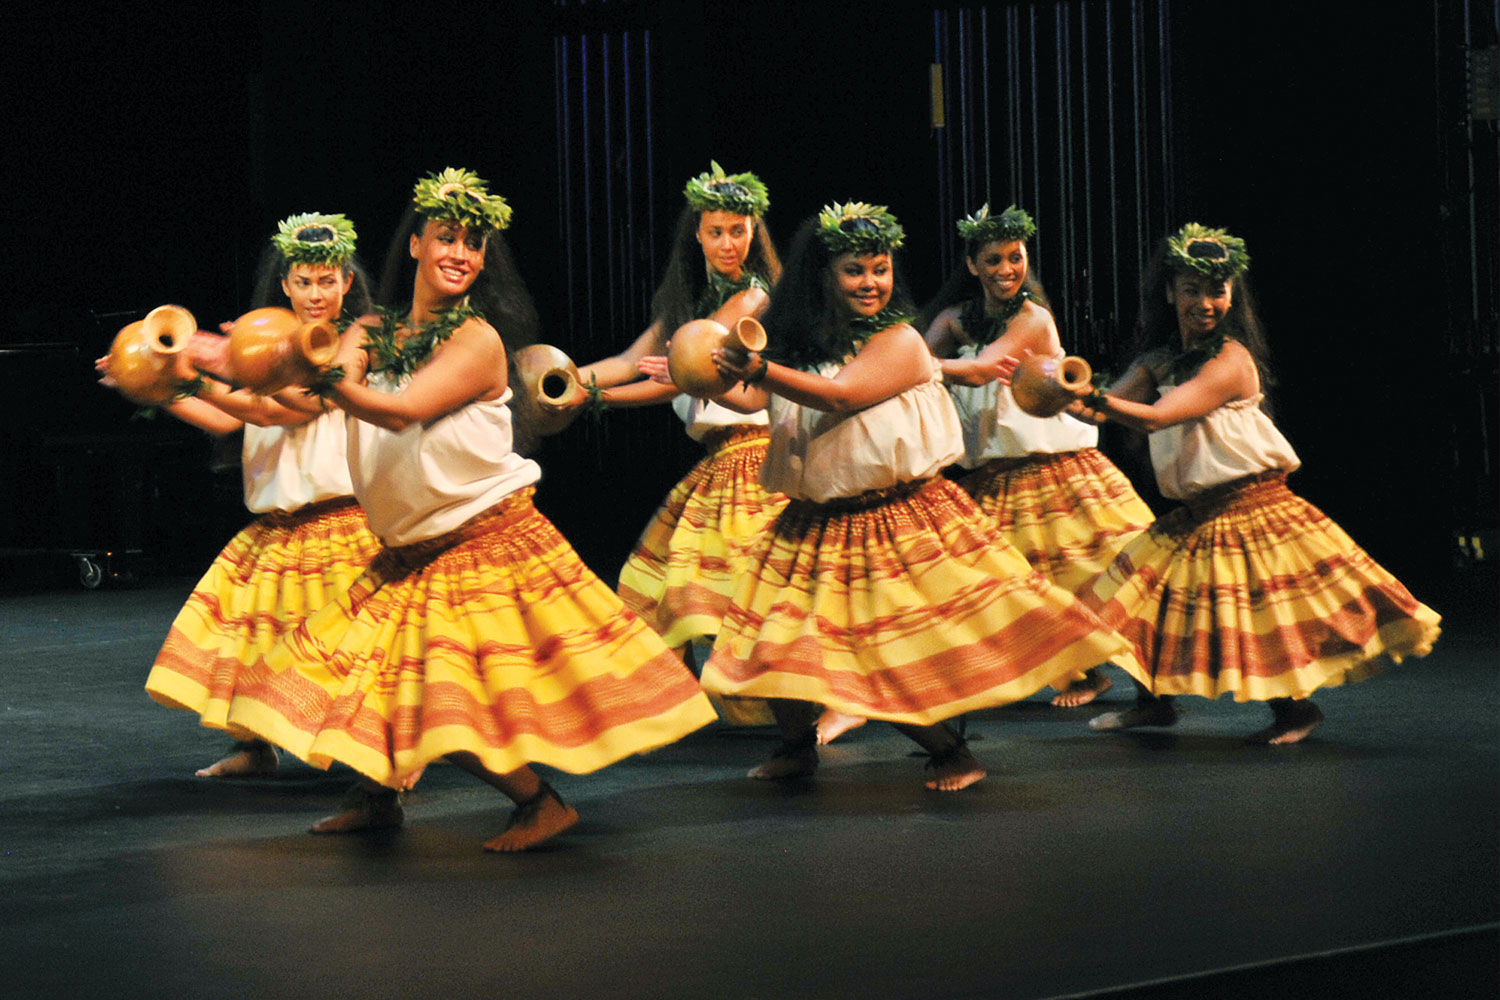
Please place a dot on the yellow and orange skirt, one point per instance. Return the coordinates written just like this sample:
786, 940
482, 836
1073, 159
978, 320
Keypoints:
684, 568
1252, 591
271, 576
1069, 514
494, 639
902, 604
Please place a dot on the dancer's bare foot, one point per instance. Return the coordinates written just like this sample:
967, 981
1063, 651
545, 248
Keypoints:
832, 725
543, 816
249, 759
1294, 720
1146, 713
791, 760
1081, 692
364, 809
954, 769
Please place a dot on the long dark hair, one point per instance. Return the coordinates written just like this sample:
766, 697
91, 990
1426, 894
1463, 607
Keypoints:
961, 286
685, 276
803, 326
273, 269
498, 294
1157, 333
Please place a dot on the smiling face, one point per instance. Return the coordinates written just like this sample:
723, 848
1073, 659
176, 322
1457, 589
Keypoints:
316, 291
1200, 303
863, 282
725, 238
449, 257
1000, 267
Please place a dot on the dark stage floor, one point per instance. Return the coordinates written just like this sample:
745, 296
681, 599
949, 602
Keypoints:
1175, 864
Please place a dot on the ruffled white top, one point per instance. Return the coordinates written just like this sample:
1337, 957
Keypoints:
702, 416
286, 468
995, 427
430, 478
1231, 442
821, 456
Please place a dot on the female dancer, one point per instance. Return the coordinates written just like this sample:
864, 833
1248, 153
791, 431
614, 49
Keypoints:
683, 570
1051, 491
476, 634
311, 539
1248, 589
881, 591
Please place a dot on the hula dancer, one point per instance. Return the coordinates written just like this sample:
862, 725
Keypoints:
1052, 493
684, 568
1246, 590
477, 633
881, 591
311, 539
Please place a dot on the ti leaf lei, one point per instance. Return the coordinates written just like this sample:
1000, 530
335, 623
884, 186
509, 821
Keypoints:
402, 357
1189, 361
721, 289
986, 328
849, 338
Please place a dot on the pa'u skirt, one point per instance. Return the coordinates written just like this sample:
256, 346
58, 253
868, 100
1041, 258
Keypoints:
683, 570
271, 576
1069, 514
902, 604
1253, 592
494, 639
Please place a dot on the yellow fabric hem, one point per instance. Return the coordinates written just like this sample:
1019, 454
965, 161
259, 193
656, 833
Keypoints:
616, 743
1411, 637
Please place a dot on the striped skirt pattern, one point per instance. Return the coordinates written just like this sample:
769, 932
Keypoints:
903, 604
687, 562
271, 576
494, 639
1069, 514
1252, 591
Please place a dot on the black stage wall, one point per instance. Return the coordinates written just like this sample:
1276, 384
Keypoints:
152, 151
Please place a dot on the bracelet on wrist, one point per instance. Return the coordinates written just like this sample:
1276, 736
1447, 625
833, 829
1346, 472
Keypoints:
757, 377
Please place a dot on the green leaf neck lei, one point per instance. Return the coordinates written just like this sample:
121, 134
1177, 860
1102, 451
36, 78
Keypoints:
402, 357
1189, 361
849, 338
721, 289
983, 327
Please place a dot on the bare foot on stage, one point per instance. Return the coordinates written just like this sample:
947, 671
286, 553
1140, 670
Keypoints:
832, 725
954, 770
791, 761
250, 759
543, 817
1147, 713
1293, 722
1081, 692
364, 810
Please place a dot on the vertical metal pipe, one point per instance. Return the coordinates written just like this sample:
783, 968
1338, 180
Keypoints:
1013, 99
1090, 266
1136, 99
564, 174
984, 66
628, 257
650, 157
607, 179
1110, 90
1064, 167
1164, 46
588, 185
1036, 124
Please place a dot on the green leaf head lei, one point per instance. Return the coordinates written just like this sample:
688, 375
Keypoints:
982, 227
716, 191
1213, 253
858, 228
462, 197
314, 238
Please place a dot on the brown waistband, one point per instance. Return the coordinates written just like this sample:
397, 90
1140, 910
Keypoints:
1254, 489
285, 518
515, 507
723, 437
